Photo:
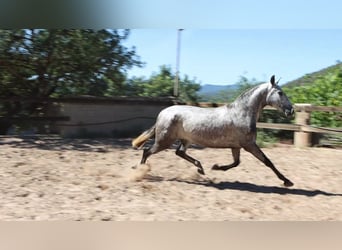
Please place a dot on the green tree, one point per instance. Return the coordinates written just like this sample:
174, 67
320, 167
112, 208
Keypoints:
161, 84
243, 84
229, 95
41, 63
325, 90
55, 62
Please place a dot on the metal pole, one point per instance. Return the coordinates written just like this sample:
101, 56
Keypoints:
176, 84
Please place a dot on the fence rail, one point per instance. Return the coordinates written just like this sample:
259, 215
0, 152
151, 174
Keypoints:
280, 126
309, 108
298, 128
298, 107
35, 118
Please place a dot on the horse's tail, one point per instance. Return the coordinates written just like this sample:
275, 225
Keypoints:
141, 139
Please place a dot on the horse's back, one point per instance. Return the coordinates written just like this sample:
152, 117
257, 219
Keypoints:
190, 115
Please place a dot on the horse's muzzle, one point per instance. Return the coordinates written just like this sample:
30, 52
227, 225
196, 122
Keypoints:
289, 112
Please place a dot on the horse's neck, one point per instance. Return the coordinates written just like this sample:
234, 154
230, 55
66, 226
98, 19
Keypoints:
253, 101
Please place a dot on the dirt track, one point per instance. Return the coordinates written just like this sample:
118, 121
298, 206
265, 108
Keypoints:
92, 180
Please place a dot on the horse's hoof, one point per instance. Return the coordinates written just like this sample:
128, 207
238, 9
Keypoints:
201, 171
288, 183
216, 167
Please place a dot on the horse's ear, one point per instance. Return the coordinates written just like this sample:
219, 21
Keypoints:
272, 80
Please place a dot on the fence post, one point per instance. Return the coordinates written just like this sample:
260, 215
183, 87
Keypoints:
302, 139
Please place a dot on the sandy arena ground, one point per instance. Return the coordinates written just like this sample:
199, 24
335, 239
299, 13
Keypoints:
54, 179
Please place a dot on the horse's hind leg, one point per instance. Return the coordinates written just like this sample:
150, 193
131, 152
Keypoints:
181, 152
147, 152
256, 151
155, 148
236, 157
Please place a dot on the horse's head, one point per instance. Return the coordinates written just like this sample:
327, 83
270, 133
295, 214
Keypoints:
278, 99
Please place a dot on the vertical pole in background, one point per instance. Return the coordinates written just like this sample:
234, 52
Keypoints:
302, 139
176, 84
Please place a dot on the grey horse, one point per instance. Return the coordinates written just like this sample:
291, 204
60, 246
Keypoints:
229, 126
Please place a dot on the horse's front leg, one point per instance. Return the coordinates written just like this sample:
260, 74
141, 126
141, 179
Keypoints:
256, 151
236, 157
181, 152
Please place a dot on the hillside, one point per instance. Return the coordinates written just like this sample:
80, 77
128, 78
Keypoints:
213, 93
222, 93
311, 77
209, 89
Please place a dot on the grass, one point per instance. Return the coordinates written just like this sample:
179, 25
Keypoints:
265, 140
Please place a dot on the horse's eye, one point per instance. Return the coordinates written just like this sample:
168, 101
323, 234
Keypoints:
280, 93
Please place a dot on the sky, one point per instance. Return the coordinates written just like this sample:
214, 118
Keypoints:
221, 56
223, 40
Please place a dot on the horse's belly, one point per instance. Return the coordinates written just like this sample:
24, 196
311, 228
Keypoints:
217, 144
225, 135
219, 141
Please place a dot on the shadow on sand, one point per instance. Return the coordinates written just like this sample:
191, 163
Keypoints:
249, 187
58, 143
80, 144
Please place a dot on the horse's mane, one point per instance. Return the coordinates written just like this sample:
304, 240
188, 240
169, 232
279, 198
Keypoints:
247, 93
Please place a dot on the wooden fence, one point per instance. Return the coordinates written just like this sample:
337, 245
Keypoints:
84, 116
301, 127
